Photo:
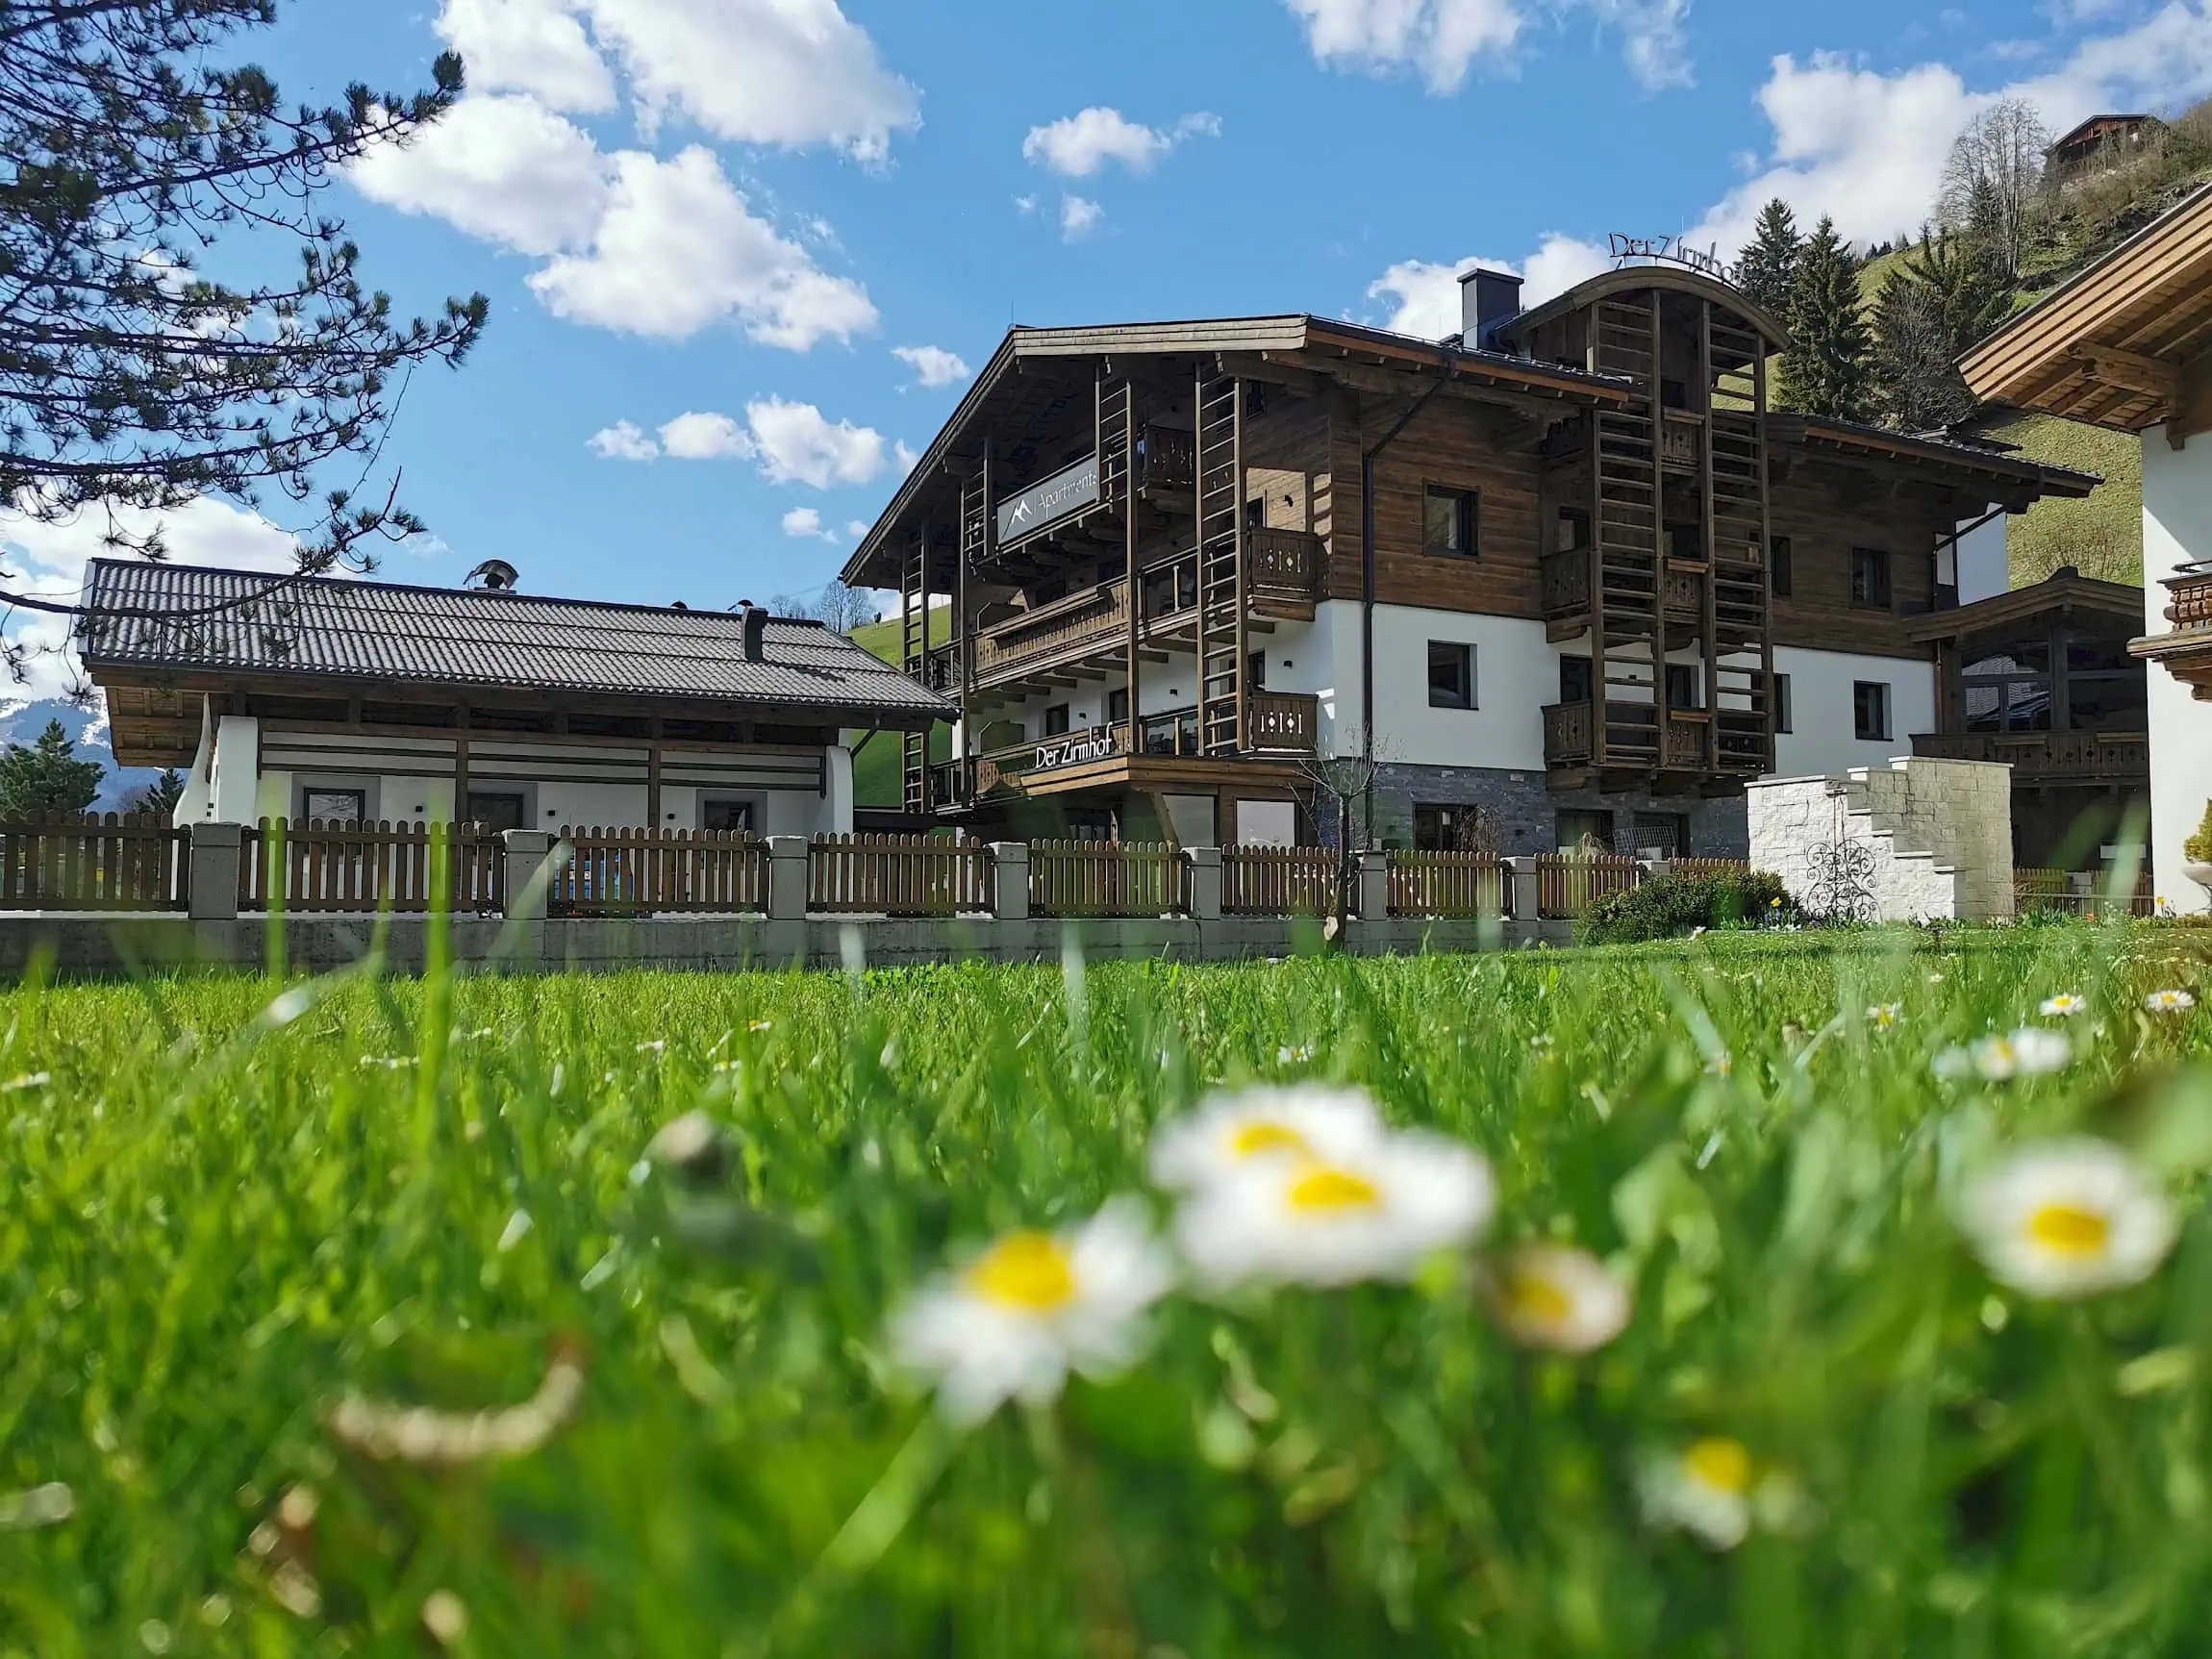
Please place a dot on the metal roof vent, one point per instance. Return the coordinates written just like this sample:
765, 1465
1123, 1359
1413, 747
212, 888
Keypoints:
492, 576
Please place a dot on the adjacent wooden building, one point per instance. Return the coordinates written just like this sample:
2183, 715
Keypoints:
1567, 574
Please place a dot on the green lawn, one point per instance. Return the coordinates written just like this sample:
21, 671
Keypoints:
263, 1267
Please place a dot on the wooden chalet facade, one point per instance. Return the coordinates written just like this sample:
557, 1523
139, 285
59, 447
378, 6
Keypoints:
340, 701
1561, 569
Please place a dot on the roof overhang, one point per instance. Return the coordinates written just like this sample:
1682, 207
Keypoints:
1290, 347
2126, 344
2056, 597
2010, 478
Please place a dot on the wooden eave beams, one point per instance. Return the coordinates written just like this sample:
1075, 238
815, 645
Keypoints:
2134, 370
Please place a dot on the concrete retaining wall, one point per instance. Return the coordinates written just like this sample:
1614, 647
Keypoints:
1937, 836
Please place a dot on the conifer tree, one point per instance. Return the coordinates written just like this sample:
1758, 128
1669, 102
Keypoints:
1827, 368
1768, 265
47, 777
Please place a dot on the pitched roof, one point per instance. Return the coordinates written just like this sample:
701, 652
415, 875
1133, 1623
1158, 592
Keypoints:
2003, 469
2066, 592
178, 620
2074, 132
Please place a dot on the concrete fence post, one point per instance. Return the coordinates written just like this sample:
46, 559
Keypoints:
216, 851
522, 854
1205, 864
1010, 880
1520, 888
787, 878
1372, 893
1655, 867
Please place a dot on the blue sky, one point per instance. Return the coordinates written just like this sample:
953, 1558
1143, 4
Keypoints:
709, 228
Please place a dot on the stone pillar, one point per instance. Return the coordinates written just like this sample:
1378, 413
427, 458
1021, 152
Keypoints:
1010, 880
1372, 894
787, 878
523, 854
1205, 882
1520, 897
216, 851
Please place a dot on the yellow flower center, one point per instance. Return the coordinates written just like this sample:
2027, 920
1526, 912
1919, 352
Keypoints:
1029, 1271
1325, 1189
1537, 1300
1254, 1139
2070, 1230
1723, 1465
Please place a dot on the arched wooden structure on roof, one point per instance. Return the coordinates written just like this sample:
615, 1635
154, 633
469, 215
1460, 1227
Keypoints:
1668, 500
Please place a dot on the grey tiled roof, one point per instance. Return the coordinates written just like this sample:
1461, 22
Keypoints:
178, 618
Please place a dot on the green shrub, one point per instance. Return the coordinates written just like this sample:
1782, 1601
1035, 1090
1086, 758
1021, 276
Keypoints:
1668, 906
2197, 848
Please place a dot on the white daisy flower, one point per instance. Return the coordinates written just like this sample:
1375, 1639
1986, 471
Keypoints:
2067, 1219
2168, 1001
1555, 1297
1373, 1213
1882, 1015
2028, 1052
1706, 1490
1015, 1321
2064, 1006
1230, 1131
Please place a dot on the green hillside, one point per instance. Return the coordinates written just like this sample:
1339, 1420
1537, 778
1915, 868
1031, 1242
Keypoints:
875, 769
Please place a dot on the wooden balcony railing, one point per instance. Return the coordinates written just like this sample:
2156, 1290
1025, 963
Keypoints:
1685, 749
1632, 737
1285, 566
1567, 737
1096, 615
1018, 761
1682, 592
1282, 722
2191, 606
1681, 437
1566, 583
2047, 757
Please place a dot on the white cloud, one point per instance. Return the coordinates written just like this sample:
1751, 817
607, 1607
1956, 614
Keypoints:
534, 46
933, 363
1078, 146
622, 441
806, 521
855, 529
789, 72
707, 437
1654, 38
1439, 39
1079, 217
1869, 148
506, 169
678, 249
798, 445
52, 557
1425, 297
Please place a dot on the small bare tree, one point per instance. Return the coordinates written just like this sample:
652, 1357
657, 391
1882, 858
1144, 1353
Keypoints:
837, 607
1335, 787
2001, 151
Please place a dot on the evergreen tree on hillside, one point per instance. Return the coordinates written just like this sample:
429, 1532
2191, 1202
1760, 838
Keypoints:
1827, 370
47, 777
1768, 267
158, 798
1933, 307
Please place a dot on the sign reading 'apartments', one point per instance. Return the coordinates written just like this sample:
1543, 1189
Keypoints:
1071, 490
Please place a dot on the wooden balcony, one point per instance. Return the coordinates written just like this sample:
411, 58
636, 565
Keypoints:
1054, 632
1681, 440
1285, 569
1725, 742
1565, 590
2186, 651
2090, 757
1281, 722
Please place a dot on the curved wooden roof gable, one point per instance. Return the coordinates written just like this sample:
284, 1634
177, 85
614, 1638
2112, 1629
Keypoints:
1638, 278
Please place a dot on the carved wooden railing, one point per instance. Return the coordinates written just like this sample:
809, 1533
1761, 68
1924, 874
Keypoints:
1566, 583
1682, 592
1284, 566
2191, 606
1096, 615
1685, 746
2046, 757
1566, 735
1282, 722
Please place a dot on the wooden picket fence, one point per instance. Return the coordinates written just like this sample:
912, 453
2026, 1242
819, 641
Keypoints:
84, 860
360, 868
1104, 878
1709, 869
648, 872
1449, 884
2053, 889
898, 875
1279, 881
1567, 884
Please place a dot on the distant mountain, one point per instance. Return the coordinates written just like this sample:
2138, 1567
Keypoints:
87, 728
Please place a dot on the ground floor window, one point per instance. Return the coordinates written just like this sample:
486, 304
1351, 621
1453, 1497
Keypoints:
1580, 829
1662, 835
1452, 829
496, 809
336, 806
1871, 709
726, 816
1092, 824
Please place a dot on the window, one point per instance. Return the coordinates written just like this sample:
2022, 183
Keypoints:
1871, 709
1451, 675
1687, 542
1117, 706
1778, 564
726, 814
1871, 578
1448, 520
496, 809
1674, 394
1578, 829
1091, 825
1782, 703
1574, 680
1256, 512
1056, 721
1452, 829
1574, 531
336, 806
1256, 671
1682, 686
1661, 835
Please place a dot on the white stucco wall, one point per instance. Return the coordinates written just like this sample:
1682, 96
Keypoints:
1984, 560
1822, 736
1516, 674
2177, 529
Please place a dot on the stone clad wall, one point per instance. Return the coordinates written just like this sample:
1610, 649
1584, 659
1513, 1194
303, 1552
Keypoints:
1938, 835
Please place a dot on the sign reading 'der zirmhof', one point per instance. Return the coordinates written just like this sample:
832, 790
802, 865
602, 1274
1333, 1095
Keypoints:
1071, 490
1673, 250
1077, 749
